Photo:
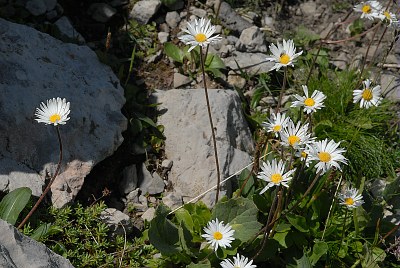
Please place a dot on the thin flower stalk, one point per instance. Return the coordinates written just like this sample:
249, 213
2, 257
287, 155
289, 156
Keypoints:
49, 185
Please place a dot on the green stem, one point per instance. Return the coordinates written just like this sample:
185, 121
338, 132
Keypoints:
48, 186
282, 90
211, 125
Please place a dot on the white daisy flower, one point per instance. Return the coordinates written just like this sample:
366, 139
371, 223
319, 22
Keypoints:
311, 104
55, 112
199, 33
351, 198
327, 154
283, 54
302, 154
369, 9
295, 136
389, 17
367, 97
276, 123
218, 235
274, 173
238, 262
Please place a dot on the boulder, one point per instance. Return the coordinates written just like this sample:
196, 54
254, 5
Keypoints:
36, 67
189, 143
18, 250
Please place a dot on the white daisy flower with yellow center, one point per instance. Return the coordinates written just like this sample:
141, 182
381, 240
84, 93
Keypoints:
311, 103
295, 136
389, 17
238, 262
218, 234
327, 154
283, 55
367, 97
351, 198
369, 9
54, 112
276, 123
274, 174
199, 33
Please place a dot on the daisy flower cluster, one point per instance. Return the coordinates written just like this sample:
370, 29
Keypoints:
374, 10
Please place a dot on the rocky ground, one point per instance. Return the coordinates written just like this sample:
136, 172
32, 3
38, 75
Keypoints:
134, 179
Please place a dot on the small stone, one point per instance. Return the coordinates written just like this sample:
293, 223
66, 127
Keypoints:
143, 10
167, 164
36, 7
163, 37
50, 4
51, 15
149, 214
172, 19
236, 80
119, 224
163, 27
133, 197
151, 184
129, 180
308, 8
67, 30
198, 12
101, 12
252, 40
181, 80
172, 200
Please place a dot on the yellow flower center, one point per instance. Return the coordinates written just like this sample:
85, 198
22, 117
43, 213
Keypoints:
217, 235
276, 178
293, 140
324, 156
284, 59
200, 37
349, 201
303, 154
387, 15
366, 9
367, 94
277, 128
54, 118
309, 102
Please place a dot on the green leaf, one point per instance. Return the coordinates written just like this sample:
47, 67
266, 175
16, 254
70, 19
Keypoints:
298, 222
281, 238
319, 249
304, 262
241, 214
13, 203
183, 217
174, 52
163, 234
184, 239
145, 119
42, 231
203, 264
214, 62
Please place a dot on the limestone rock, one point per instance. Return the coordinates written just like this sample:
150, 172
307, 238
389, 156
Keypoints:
308, 8
68, 31
231, 20
143, 10
18, 250
101, 12
37, 67
189, 144
172, 19
253, 63
150, 183
252, 40
117, 222
181, 80
149, 214
129, 179
36, 7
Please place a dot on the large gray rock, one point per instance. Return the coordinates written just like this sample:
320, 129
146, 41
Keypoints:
18, 251
189, 144
36, 67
